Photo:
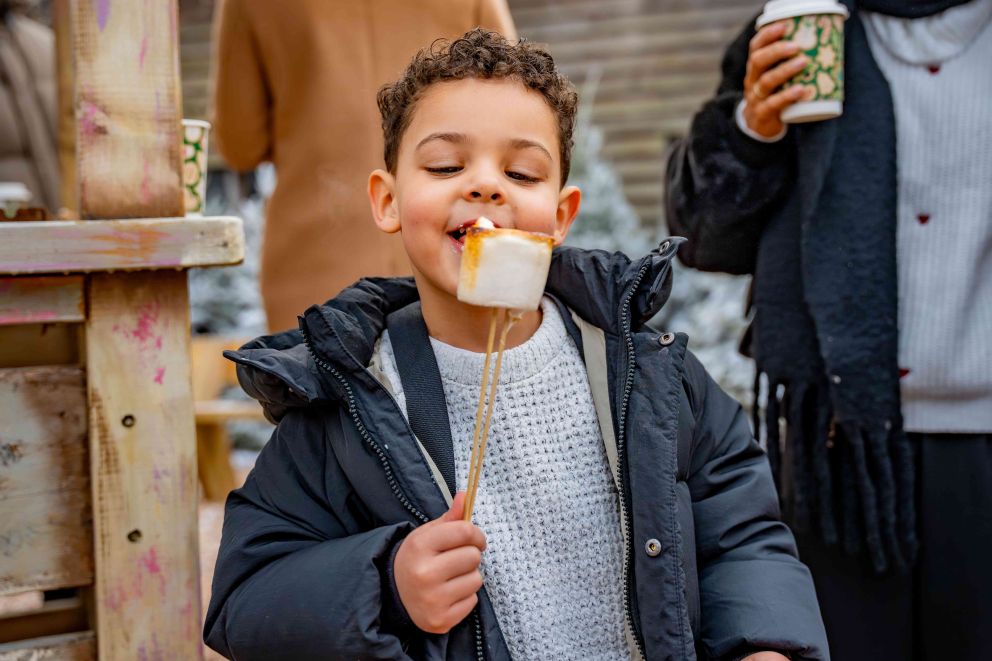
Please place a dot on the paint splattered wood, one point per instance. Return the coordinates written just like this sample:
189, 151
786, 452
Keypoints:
143, 466
45, 534
41, 300
128, 108
67, 647
120, 245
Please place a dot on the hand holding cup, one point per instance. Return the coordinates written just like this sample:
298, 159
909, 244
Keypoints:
770, 64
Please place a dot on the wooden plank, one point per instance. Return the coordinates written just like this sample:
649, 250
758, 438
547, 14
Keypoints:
68, 647
45, 533
27, 345
143, 466
213, 455
69, 189
128, 108
41, 300
222, 410
120, 245
55, 617
143, 450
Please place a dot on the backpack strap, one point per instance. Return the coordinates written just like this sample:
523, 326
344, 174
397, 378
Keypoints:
594, 353
425, 404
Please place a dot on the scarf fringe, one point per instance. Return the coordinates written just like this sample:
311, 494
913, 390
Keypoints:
853, 483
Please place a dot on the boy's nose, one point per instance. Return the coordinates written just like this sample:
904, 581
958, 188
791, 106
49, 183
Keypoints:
485, 188
493, 195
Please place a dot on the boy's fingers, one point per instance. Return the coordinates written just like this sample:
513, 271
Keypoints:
452, 534
457, 509
459, 561
459, 610
461, 587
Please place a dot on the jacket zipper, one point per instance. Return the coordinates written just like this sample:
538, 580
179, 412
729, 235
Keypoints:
353, 411
621, 455
387, 468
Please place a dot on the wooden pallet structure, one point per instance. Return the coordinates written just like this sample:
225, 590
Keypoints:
98, 469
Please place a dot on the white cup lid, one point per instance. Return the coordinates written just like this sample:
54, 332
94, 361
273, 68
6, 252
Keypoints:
776, 10
14, 191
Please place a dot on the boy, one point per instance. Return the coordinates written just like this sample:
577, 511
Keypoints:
624, 512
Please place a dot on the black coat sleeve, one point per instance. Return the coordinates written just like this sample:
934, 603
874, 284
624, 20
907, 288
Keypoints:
721, 185
754, 592
300, 575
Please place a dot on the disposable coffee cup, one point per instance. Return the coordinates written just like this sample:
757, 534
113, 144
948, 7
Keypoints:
195, 135
817, 26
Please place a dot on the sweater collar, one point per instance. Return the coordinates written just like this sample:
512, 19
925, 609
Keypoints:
906, 8
519, 363
932, 39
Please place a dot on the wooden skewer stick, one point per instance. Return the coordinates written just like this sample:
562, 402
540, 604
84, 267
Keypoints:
494, 315
509, 318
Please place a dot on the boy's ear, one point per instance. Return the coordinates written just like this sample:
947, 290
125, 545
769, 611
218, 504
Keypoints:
569, 201
382, 197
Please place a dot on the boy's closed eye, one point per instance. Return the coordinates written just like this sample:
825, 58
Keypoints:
444, 170
448, 170
522, 177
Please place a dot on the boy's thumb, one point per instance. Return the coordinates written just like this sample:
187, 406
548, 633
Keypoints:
457, 509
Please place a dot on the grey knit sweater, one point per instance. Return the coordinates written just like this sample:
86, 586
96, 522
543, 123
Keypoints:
546, 501
938, 69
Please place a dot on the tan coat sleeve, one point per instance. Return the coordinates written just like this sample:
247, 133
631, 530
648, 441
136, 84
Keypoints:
495, 15
242, 109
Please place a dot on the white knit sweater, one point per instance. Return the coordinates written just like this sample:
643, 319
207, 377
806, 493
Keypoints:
938, 69
546, 501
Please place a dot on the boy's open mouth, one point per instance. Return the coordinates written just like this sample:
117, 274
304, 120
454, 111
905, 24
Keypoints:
458, 234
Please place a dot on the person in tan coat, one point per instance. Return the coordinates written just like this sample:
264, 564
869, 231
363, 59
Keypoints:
28, 143
296, 85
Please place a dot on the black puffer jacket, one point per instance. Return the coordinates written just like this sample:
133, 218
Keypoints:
301, 574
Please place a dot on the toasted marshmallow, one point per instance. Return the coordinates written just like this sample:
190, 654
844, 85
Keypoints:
504, 268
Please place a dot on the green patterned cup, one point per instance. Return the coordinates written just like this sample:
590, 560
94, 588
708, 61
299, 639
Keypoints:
195, 134
817, 26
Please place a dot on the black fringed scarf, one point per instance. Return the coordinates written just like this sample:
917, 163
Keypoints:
825, 328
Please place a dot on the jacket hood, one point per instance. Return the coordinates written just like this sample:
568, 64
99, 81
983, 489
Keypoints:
281, 371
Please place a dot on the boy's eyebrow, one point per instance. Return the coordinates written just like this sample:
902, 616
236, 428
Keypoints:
459, 138
456, 138
523, 143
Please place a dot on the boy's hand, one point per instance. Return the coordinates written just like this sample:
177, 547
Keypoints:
766, 656
437, 570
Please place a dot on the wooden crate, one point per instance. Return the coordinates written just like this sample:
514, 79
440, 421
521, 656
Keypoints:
98, 487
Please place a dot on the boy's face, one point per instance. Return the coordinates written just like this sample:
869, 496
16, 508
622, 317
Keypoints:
473, 148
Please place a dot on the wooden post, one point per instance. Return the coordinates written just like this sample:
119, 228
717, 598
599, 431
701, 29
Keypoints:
128, 108
143, 448
143, 453
69, 190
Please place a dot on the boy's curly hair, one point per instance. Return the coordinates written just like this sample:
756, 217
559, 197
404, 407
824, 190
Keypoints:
481, 54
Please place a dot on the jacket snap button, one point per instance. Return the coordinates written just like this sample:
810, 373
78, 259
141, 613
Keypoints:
653, 548
666, 339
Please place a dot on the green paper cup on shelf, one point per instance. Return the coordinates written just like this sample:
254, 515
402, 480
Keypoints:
817, 26
195, 134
